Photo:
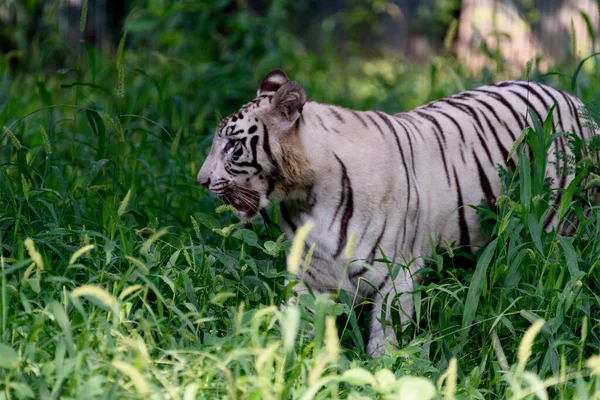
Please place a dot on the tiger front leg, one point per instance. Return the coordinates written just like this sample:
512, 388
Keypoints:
382, 331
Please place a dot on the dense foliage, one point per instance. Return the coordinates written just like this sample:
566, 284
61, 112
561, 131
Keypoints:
120, 277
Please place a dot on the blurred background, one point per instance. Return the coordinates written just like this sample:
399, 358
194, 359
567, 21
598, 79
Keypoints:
520, 30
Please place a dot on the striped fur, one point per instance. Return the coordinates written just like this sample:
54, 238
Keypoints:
393, 180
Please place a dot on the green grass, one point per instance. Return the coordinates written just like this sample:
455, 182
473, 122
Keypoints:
119, 278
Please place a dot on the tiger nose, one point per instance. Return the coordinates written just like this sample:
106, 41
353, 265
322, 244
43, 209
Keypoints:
204, 178
204, 181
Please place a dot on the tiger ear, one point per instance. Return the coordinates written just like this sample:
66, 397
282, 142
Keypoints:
287, 105
272, 81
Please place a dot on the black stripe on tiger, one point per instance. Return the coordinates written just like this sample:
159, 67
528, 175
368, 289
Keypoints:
517, 117
501, 147
478, 127
358, 273
366, 230
387, 120
510, 162
383, 282
438, 110
490, 198
348, 209
529, 104
336, 114
253, 163
532, 89
273, 177
286, 217
376, 125
410, 145
572, 111
412, 121
234, 171
311, 275
357, 115
322, 123
434, 121
558, 106
495, 114
465, 241
407, 130
377, 242
576, 115
437, 137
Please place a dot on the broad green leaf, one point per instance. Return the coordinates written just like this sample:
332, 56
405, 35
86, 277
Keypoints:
525, 180
570, 256
565, 202
535, 232
8, 357
248, 237
475, 288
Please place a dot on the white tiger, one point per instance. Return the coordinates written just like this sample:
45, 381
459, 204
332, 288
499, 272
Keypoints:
393, 180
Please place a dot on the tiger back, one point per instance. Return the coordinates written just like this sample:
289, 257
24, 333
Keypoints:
394, 181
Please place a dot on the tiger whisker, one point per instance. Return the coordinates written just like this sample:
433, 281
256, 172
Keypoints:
246, 200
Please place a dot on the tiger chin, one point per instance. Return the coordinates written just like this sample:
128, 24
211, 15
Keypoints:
395, 181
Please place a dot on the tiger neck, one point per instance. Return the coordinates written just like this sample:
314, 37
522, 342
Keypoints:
321, 151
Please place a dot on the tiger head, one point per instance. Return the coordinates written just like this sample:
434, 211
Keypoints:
255, 154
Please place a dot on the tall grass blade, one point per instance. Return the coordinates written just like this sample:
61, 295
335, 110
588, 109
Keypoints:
565, 202
474, 293
578, 70
84, 11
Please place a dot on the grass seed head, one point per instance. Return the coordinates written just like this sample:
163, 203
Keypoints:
13, 138
593, 363
25, 185
80, 252
517, 142
584, 329
350, 245
124, 204
136, 377
332, 345
84, 11
175, 145
527, 343
47, 145
34, 254
196, 227
145, 233
293, 259
120, 89
450, 34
